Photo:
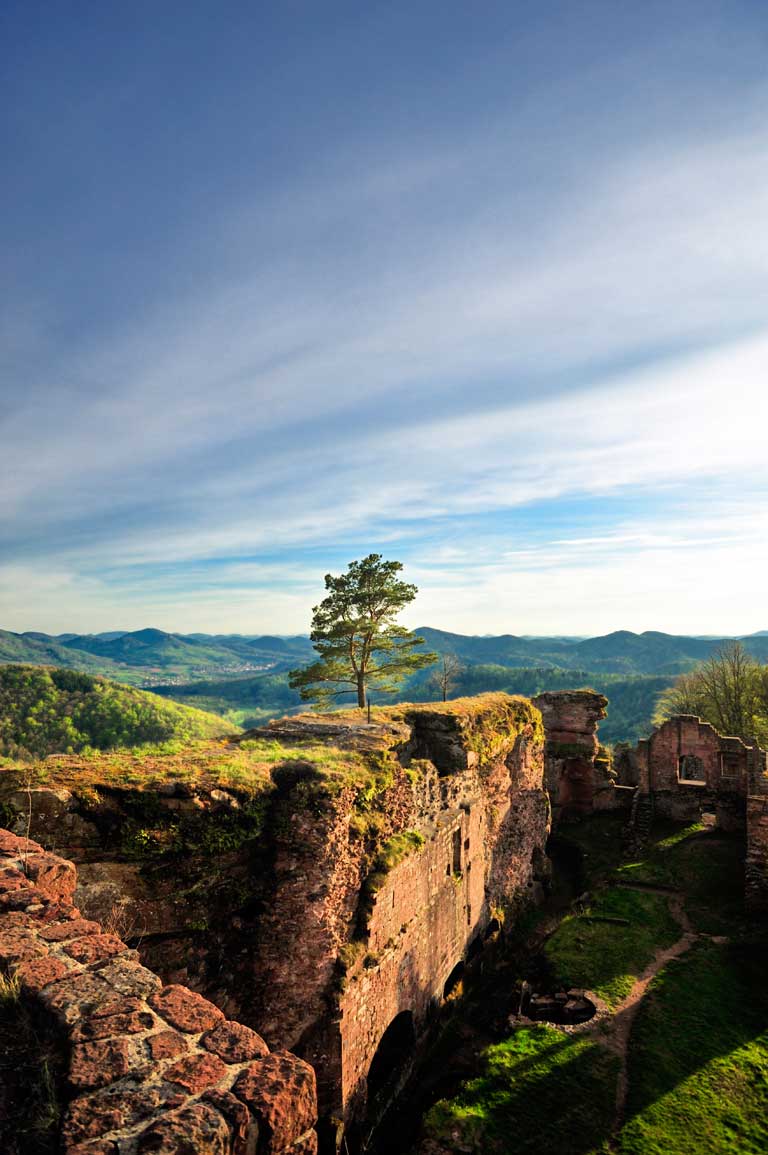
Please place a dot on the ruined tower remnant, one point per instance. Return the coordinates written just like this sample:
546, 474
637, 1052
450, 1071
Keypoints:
574, 770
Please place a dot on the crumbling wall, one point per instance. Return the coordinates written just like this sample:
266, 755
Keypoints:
577, 774
149, 1068
756, 870
394, 895
690, 769
357, 896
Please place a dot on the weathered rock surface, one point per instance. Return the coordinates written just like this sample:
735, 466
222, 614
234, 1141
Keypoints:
318, 911
133, 1082
572, 747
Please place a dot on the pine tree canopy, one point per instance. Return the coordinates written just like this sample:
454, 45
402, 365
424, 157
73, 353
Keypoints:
354, 631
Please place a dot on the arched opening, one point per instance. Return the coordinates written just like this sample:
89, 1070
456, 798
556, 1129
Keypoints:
475, 948
494, 926
453, 982
393, 1052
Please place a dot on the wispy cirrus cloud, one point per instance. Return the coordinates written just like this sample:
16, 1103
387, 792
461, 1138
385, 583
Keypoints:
519, 317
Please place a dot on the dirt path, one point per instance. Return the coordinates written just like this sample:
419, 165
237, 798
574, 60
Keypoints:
619, 1026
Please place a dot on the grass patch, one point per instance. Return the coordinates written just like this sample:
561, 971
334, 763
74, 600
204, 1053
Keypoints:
540, 1090
698, 1061
599, 839
606, 957
708, 866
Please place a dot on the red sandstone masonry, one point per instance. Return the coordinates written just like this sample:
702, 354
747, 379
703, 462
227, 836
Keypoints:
150, 1069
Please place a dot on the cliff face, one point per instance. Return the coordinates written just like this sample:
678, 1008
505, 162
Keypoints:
328, 897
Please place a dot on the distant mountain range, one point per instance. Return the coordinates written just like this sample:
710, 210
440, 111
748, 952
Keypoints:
150, 653
244, 677
621, 652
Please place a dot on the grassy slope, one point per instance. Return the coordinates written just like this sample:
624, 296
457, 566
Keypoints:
46, 711
698, 1061
606, 957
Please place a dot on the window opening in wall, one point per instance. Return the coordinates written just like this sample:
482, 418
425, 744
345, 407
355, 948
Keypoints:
691, 769
730, 764
457, 852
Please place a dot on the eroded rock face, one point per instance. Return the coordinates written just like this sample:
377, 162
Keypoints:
133, 1082
572, 747
352, 905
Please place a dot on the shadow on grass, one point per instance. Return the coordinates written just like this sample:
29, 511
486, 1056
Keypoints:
539, 1091
698, 1059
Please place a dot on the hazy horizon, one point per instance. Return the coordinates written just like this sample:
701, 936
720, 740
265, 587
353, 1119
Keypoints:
480, 288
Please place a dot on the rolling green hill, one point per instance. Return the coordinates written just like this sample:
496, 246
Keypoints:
48, 711
243, 677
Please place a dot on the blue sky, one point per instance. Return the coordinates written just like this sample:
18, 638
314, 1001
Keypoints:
480, 287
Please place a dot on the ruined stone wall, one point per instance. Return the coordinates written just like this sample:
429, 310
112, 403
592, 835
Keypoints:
756, 870
690, 769
147, 1068
482, 858
577, 775
301, 932
467, 790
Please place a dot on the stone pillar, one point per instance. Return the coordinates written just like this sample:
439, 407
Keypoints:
570, 724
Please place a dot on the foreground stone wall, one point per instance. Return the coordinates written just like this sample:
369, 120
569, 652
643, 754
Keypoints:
318, 928
149, 1068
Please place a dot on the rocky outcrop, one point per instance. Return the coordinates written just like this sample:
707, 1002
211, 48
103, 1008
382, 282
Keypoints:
147, 1068
330, 883
574, 771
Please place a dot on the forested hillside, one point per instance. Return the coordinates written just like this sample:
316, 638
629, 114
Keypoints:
47, 711
244, 677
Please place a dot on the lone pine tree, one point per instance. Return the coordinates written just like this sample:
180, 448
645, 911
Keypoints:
355, 633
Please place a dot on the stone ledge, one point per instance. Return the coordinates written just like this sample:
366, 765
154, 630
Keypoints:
150, 1069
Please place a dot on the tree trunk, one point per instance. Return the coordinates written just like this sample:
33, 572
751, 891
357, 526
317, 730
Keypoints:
361, 691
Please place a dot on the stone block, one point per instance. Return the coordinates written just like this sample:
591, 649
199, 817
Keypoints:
279, 1091
97, 947
196, 1073
99, 1063
196, 1130
185, 1010
129, 977
234, 1043
166, 1045
41, 972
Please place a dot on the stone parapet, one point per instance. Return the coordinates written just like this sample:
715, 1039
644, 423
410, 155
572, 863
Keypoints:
148, 1068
